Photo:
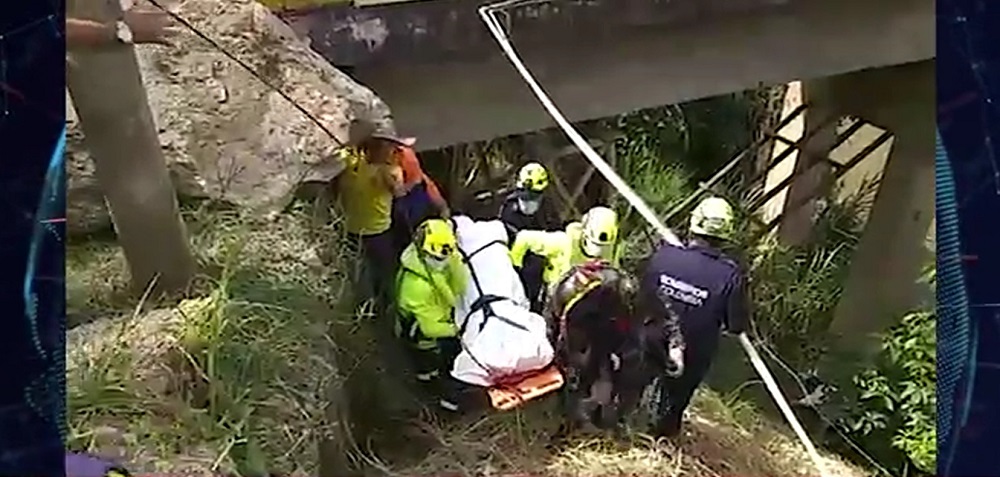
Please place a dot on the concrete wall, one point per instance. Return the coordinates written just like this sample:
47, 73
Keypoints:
459, 100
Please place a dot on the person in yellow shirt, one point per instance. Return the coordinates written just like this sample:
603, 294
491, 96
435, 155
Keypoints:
366, 188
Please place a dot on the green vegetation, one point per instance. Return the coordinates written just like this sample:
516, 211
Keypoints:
888, 409
896, 412
234, 380
255, 371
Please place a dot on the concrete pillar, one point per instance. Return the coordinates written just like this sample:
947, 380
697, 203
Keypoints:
800, 201
882, 283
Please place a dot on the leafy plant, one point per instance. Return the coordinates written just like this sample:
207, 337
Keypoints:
898, 395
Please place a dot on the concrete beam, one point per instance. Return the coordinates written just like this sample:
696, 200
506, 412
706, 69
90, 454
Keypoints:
799, 210
885, 268
452, 102
404, 34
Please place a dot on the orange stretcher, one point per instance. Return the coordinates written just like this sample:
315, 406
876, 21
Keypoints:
523, 388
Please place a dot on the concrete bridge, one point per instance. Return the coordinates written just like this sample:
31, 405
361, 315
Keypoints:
447, 82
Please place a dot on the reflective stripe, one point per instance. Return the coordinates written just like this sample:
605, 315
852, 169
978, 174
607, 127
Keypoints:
426, 345
427, 376
448, 405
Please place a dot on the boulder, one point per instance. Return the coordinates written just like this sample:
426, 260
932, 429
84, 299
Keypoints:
226, 134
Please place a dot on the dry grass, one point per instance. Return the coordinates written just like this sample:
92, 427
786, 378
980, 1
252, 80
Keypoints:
235, 380
720, 439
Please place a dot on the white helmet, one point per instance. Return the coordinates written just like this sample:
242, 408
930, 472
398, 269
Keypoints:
713, 217
600, 231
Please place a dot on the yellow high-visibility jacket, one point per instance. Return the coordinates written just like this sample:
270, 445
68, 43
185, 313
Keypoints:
426, 297
560, 249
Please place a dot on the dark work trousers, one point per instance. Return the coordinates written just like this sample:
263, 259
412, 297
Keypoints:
376, 271
432, 358
531, 277
433, 366
701, 344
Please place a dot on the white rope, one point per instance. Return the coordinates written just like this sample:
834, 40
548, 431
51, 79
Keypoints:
487, 15
599, 163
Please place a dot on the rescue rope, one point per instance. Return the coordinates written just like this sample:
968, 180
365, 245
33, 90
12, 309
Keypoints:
214, 44
488, 14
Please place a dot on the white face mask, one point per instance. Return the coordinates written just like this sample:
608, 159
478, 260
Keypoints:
594, 250
435, 263
528, 207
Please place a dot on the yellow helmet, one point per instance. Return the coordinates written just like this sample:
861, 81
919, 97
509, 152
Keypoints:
600, 231
713, 217
436, 239
532, 177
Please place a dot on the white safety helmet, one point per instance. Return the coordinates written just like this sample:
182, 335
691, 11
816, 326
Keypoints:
600, 231
713, 217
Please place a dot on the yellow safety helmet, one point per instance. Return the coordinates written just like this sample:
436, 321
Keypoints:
436, 239
713, 217
533, 177
600, 231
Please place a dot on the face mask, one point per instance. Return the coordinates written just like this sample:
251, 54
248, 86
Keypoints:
528, 207
594, 250
435, 263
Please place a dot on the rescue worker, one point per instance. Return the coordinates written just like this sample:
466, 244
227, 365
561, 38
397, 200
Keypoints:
526, 208
594, 236
422, 198
607, 346
707, 290
431, 280
366, 189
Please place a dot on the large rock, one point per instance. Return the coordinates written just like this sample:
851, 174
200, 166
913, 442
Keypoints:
225, 134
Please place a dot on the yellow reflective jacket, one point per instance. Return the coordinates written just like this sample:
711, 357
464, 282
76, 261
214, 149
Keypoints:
560, 249
426, 297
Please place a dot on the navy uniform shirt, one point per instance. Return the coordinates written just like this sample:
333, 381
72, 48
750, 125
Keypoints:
704, 286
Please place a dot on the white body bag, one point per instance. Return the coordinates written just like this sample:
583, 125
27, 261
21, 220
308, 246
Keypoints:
500, 335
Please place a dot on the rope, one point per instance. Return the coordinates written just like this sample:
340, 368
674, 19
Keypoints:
802, 387
487, 14
249, 69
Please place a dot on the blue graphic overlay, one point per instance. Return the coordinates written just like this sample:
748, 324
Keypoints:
968, 192
32, 208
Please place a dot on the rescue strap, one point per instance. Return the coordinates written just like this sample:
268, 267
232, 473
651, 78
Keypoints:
485, 300
483, 303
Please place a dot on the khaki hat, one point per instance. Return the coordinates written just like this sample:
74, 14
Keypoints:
402, 141
361, 130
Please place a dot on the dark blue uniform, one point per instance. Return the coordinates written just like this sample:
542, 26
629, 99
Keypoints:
707, 290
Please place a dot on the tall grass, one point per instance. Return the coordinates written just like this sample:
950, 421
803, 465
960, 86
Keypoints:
795, 290
235, 379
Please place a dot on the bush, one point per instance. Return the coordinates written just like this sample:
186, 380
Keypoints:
897, 396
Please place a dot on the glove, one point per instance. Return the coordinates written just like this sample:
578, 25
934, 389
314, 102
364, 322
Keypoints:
675, 362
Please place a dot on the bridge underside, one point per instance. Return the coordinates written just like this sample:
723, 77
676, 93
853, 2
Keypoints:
450, 102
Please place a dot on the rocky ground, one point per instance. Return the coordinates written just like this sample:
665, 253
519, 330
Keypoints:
225, 133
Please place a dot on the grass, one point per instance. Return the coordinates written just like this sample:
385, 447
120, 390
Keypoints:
250, 374
723, 437
234, 379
